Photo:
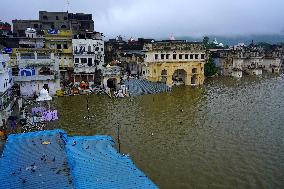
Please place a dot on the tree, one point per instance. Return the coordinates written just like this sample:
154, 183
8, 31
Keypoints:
210, 69
206, 41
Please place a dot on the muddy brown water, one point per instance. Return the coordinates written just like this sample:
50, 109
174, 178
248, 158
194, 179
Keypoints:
227, 134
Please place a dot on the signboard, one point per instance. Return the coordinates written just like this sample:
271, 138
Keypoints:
52, 31
8, 50
42, 114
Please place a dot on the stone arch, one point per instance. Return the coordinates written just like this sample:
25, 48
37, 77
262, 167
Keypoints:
179, 76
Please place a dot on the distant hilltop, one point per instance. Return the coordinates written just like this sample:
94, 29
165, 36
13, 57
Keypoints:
247, 39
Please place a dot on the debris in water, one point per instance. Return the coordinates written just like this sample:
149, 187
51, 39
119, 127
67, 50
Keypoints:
45, 143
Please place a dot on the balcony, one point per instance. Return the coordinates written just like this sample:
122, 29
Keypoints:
43, 61
34, 78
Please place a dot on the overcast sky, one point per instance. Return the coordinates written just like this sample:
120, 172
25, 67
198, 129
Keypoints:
161, 18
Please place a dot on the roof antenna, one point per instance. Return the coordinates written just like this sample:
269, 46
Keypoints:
68, 5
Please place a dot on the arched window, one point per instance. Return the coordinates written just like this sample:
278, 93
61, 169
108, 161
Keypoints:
194, 70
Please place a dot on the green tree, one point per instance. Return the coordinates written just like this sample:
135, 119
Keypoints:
210, 69
206, 41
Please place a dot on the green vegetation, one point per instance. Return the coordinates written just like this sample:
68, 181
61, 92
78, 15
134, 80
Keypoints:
210, 69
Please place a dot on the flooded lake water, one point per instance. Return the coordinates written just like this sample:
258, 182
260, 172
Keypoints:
226, 134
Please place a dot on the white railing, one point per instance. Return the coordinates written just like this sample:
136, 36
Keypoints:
34, 78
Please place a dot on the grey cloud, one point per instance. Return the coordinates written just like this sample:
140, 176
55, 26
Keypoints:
160, 18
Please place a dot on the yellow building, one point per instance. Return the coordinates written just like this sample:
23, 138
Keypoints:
174, 62
61, 42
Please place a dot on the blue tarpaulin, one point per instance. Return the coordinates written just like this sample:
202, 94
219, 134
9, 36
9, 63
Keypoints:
51, 159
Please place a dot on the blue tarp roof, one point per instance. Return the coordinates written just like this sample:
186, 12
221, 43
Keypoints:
51, 159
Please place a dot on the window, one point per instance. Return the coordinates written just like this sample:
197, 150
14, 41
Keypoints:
56, 18
45, 18
186, 56
65, 46
168, 56
162, 56
196, 56
36, 25
191, 56
58, 46
202, 56
90, 62
164, 72
83, 60
180, 56
65, 18
96, 62
63, 27
77, 60
156, 56
174, 56
102, 49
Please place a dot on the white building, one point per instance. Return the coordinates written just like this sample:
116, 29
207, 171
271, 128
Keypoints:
88, 51
6, 83
32, 39
36, 70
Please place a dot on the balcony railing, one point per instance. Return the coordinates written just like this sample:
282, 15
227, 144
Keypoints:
40, 62
34, 78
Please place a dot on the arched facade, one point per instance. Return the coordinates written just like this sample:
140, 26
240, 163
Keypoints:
171, 73
175, 61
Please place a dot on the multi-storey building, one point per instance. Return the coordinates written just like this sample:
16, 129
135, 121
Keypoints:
5, 29
33, 39
36, 69
61, 42
6, 83
55, 20
173, 62
129, 54
250, 59
273, 58
88, 51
